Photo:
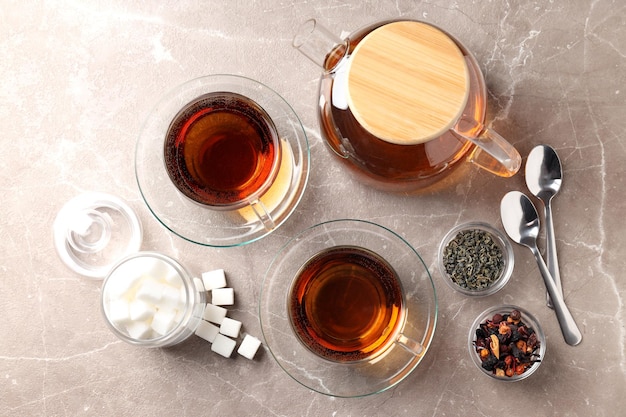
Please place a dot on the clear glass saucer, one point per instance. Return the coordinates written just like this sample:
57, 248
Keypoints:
200, 224
348, 379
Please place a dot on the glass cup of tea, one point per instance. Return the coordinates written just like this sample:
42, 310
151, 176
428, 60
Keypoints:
403, 102
222, 160
348, 300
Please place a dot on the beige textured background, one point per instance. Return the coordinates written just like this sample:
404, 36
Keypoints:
77, 79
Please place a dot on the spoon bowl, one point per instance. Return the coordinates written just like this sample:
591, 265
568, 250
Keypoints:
543, 172
520, 219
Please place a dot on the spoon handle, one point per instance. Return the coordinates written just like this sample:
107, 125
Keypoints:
571, 332
551, 257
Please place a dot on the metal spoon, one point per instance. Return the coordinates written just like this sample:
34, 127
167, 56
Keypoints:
521, 222
543, 178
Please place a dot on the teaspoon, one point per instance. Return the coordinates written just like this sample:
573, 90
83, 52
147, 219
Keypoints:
543, 178
521, 222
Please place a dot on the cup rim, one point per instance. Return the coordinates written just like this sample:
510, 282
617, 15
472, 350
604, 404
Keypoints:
499, 238
392, 337
187, 186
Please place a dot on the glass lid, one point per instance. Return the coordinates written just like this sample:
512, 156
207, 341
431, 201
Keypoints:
93, 231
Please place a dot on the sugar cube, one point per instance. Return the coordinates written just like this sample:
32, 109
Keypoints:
139, 330
214, 279
207, 331
223, 345
140, 310
164, 320
171, 297
230, 327
249, 346
123, 281
214, 314
118, 312
223, 296
150, 291
167, 273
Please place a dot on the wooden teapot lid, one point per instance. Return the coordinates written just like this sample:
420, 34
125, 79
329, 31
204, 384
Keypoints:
407, 82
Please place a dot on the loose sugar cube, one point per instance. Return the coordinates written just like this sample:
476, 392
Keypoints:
214, 314
223, 296
249, 346
140, 310
223, 345
230, 327
214, 279
118, 312
150, 291
207, 331
164, 320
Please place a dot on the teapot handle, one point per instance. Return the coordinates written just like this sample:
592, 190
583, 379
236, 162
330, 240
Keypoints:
492, 153
319, 44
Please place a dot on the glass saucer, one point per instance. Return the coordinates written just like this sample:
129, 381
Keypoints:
348, 379
200, 224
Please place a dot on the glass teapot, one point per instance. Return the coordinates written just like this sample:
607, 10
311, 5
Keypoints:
403, 102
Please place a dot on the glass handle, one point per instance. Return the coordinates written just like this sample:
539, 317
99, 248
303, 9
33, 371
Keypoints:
261, 212
319, 44
410, 345
493, 153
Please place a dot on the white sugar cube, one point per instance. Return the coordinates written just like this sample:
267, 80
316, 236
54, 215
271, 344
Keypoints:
164, 320
118, 312
140, 310
171, 297
223, 345
167, 273
214, 314
123, 281
139, 330
230, 327
249, 346
214, 279
150, 291
223, 296
207, 331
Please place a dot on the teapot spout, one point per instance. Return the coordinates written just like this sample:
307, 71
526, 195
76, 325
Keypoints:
319, 45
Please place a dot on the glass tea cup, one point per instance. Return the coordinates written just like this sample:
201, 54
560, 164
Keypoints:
222, 160
348, 300
403, 102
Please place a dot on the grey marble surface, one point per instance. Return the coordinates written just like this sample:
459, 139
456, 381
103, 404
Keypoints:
78, 78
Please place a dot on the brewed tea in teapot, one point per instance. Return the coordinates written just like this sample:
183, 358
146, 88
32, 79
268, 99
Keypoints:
403, 102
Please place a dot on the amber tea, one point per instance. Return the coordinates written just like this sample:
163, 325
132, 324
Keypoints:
221, 150
346, 304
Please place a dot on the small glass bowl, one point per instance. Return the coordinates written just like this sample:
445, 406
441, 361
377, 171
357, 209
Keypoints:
499, 239
526, 318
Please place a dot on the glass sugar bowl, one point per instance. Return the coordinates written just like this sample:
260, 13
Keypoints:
150, 300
